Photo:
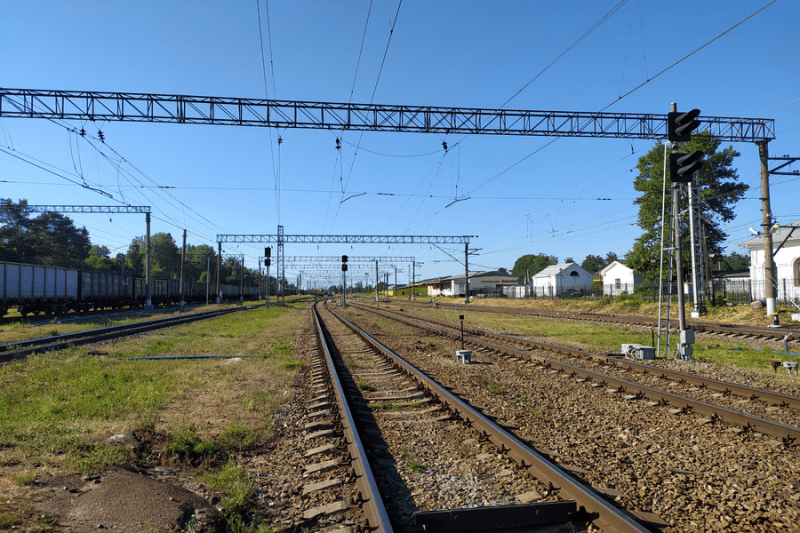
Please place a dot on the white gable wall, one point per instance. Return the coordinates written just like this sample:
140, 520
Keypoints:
618, 278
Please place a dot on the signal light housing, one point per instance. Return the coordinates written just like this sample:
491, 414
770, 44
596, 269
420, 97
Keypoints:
267, 262
344, 268
680, 125
344, 259
682, 166
267, 251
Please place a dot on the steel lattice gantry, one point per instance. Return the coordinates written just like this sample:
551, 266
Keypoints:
184, 109
345, 239
351, 259
113, 209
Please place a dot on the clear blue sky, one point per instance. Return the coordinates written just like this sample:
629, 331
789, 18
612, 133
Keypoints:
460, 54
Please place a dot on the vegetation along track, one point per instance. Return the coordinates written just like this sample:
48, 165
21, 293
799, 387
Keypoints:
22, 349
690, 470
724, 331
770, 412
439, 459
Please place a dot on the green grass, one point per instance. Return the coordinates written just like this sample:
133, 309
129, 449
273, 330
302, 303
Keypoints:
187, 444
239, 495
415, 465
53, 405
363, 385
600, 338
415, 405
384, 405
23, 478
496, 389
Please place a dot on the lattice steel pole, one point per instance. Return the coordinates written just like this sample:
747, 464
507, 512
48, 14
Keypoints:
148, 305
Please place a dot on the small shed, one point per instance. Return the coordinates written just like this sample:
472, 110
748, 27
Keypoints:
619, 279
786, 250
558, 279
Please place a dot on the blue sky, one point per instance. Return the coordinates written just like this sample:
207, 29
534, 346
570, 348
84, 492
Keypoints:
443, 53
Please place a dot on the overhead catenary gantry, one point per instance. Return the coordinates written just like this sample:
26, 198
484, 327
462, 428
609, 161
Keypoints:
281, 238
186, 109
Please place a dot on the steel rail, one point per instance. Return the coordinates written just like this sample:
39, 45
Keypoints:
22, 349
369, 498
788, 434
791, 334
726, 387
605, 515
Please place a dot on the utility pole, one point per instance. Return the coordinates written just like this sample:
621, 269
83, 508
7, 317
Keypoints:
208, 275
413, 280
219, 264
377, 299
707, 264
241, 282
183, 259
770, 280
148, 305
395, 283
683, 347
466, 273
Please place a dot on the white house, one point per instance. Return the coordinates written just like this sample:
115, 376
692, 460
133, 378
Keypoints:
556, 279
619, 279
786, 253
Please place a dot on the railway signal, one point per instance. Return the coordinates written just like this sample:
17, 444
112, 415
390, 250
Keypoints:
682, 166
680, 125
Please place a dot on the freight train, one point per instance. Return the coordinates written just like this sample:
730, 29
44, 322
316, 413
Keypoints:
43, 289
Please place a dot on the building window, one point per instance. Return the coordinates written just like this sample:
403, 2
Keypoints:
617, 283
574, 273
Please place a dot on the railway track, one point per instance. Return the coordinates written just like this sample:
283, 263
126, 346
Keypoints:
695, 472
730, 332
408, 421
20, 350
694, 393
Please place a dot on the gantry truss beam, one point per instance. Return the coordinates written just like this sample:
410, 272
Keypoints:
183, 109
314, 273
347, 239
89, 208
350, 259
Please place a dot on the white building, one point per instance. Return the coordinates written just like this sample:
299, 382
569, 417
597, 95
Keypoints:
557, 279
454, 285
619, 279
786, 253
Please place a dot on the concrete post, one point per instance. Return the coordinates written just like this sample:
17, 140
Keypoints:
183, 260
770, 279
219, 266
148, 304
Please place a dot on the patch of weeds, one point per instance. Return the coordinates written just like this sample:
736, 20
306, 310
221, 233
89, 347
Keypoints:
415, 465
485, 381
237, 435
23, 478
351, 364
94, 457
415, 405
239, 493
363, 385
384, 405
52, 333
538, 411
185, 442
519, 401
43, 524
404, 449
431, 346
292, 365
282, 349
496, 389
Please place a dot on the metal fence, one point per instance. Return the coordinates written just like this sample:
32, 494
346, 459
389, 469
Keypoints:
725, 291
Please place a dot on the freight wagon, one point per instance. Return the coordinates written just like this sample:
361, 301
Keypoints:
42, 289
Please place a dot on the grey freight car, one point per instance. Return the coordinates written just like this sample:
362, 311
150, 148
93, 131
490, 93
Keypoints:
36, 288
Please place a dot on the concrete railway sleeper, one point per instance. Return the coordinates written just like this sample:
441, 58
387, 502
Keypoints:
397, 402
724, 388
630, 390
